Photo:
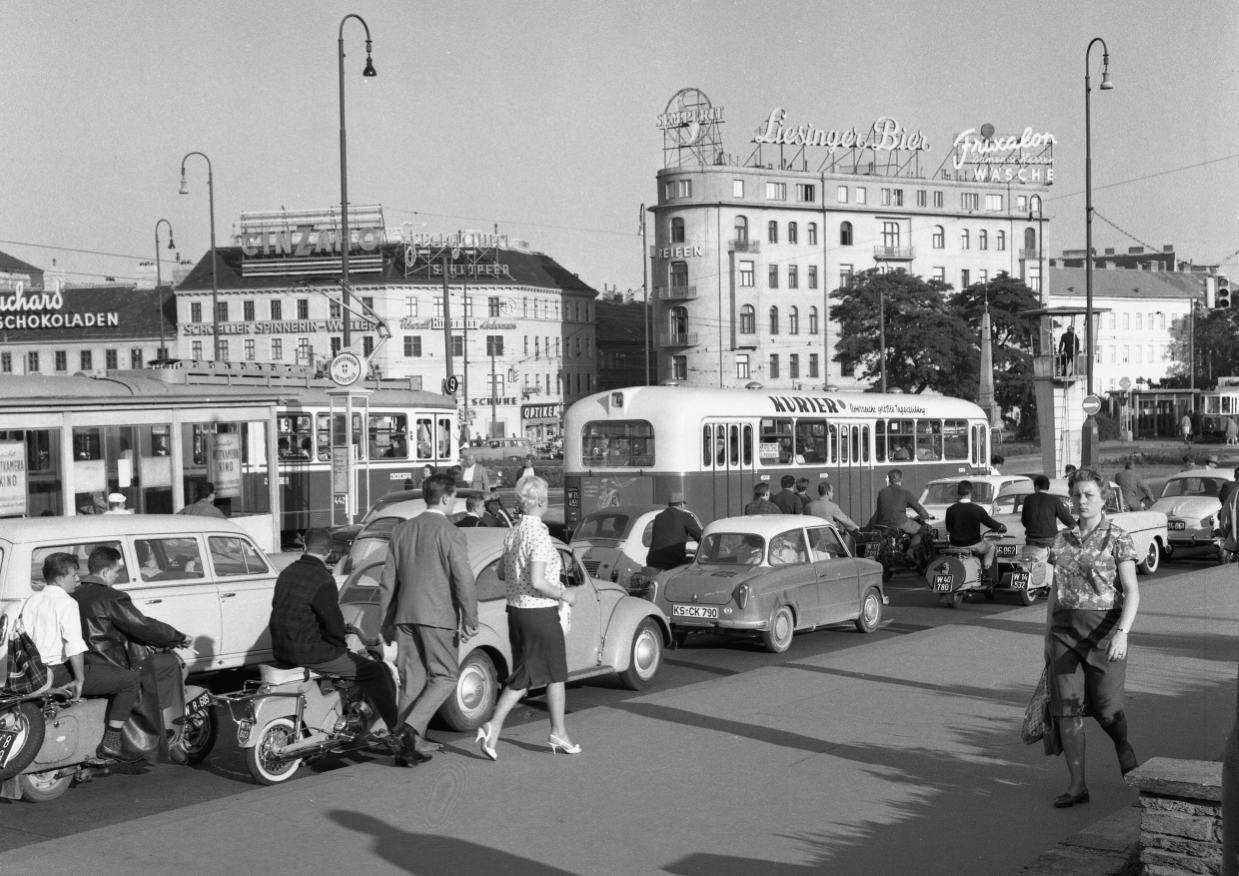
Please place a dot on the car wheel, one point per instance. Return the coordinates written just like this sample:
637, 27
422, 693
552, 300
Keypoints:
870, 611
264, 765
477, 690
1148, 565
645, 656
27, 721
201, 731
778, 638
42, 787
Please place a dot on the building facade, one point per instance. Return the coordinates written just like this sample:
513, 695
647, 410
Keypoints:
621, 345
746, 252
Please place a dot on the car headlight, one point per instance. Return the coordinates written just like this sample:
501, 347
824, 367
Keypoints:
1206, 522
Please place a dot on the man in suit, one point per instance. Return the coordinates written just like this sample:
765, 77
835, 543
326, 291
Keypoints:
473, 513
673, 528
473, 474
426, 595
786, 498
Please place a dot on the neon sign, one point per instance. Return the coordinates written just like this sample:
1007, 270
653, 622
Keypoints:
885, 135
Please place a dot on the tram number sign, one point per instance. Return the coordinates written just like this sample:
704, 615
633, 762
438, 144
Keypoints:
1091, 405
451, 385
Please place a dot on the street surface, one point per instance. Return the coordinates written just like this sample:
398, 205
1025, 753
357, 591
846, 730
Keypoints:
894, 752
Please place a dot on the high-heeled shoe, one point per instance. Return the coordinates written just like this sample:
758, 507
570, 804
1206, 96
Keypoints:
1066, 801
483, 742
569, 748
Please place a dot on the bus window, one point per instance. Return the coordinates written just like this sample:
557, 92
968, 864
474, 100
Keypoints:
879, 443
928, 440
955, 440
445, 449
834, 444
776, 441
620, 443
899, 440
733, 444
425, 441
707, 445
296, 437
864, 442
720, 446
748, 445
982, 445
811, 441
855, 444
387, 436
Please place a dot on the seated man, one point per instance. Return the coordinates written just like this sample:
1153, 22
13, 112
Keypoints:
307, 629
963, 524
473, 513
110, 625
893, 502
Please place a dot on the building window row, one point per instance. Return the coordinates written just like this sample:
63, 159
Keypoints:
748, 320
772, 231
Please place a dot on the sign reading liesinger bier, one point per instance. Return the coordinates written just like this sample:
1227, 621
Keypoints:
12, 478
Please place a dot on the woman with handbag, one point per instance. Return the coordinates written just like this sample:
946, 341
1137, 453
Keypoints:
531, 567
1092, 606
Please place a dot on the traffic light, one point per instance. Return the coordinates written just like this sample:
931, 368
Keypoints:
1223, 297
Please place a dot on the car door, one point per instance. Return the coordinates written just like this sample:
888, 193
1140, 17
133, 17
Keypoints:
792, 578
584, 639
172, 585
246, 583
838, 576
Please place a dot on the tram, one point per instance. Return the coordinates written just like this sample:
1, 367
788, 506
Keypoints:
1219, 405
638, 445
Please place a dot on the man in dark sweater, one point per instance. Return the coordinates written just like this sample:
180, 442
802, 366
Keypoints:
786, 498
307, 629
673, 528
1042, 513
893, 501
761, 503
963, 524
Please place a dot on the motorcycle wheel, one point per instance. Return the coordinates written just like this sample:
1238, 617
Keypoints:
1028, 596
27, 720
44, 786
200, 736
265, 767
957, 599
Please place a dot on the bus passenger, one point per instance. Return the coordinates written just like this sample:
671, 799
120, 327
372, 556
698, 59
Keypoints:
761, 503
785, 498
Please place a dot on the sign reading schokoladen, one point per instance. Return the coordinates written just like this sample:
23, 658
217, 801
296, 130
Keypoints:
25, 310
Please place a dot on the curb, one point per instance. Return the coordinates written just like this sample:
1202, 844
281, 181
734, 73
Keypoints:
1103, 849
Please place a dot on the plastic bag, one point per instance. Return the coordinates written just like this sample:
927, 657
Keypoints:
1039, 724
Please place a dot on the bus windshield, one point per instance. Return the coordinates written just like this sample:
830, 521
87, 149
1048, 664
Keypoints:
618, 443
731, 549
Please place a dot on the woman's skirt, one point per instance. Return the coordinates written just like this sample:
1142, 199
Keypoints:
538, 654
1085, 682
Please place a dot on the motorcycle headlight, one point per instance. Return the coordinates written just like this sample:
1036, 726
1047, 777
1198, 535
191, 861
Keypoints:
1037, 575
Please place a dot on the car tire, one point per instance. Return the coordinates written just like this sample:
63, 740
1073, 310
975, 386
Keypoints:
870, 611
1149, 564
645, 656
43, 787
778, 638
27, 719
266, 769
477, 691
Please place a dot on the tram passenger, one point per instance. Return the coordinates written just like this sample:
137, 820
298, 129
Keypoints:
205, 506
761, 503
786, 498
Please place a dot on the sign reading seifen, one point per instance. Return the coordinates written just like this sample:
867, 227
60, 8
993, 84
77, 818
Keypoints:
12, 478
884, 135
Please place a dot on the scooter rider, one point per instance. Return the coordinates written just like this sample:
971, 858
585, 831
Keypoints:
963, 524
1041, 515
893, 502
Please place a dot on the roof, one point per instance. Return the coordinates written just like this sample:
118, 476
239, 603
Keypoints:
996, 480
137, 312
19, 530
52, 390
765, 525
14, 265
1071, 283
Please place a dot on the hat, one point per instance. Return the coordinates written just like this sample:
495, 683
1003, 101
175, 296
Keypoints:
1212, 459
677, 498
117, 497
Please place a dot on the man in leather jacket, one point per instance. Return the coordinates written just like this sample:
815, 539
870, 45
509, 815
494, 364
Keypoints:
117, 633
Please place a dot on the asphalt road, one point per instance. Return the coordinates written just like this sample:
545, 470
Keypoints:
139, 791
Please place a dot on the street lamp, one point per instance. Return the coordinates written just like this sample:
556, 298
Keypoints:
1089, 449
214, 280
882, 331
344, 236
159, 281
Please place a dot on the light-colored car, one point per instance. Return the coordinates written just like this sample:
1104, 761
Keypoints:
499, 449
611, 632
772, 575
1148, 529
942, 493
613, 543
1191, 505
202, 575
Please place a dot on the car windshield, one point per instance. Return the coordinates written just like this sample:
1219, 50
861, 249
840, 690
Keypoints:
731, 549
366, 550
1193, 487
1014, 504
606, 525
947, 494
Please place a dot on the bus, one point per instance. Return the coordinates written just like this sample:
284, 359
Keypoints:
1219, 405
638, 445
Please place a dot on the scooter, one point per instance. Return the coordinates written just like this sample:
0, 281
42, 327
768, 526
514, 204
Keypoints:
889, 544
48, 741
1031, 574
957, 572
292, 714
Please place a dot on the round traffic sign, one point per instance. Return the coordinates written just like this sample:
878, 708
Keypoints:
1125, 383
1091, 404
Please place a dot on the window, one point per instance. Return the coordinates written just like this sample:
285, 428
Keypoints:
110, 360
748, 321
969, 201
410, 307
161, 353
776, 191
793, 321
793, 277
938, 200
277, 310
774, 366
812, 276
195, 312
1138, 357
940, 274
196, 350
1140, 322
493, 306
774, 320
412, 345
6, 363
845, 233
746, 274
773, 277
494, 345
1161, 320
251, 350
982, 276
304, 352
247, 309
963, 279
890, 235
679, 369
1126, 354
221, 311
679, 275
806, 192
1000, 241
677, 230
334, 310
921, 198
845, 275
458, 345
621, 443
793, 234
897, 196
737, 188
170, 559
62, 360
812, 320
793, 366
668, 190
223, 351
861, 195
813, 369
1126, 321
812, 234
742, 366
964, 239
1034, 203
86, 360
886, 197
336, 344
231, 555
303, 308
367, 346
939, 239
772, 232
899, 440
277, 350
1021, 203
742, 229
982, 239
841, 194
678, 324
993, 202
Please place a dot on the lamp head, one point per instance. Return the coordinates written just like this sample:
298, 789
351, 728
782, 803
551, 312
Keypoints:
184, 183
369, 71
1106, 84
171, 242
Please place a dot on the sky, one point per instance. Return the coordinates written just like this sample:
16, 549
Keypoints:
539, 116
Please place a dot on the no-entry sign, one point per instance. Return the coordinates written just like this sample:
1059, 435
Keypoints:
1091, 404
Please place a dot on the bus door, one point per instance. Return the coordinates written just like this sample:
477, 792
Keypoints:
854, 490
727, 462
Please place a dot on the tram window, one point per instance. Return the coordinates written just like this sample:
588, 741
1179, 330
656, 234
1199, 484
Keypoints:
720, 446
864, 443
733, 444
707, 445
621, 443
748, 445
445, 448
296, 436
899, 440
879, 443
834, 444
928, 440
87, 443
844, 456
388, 436
955, 440
811, 441
425, 442
855, 444
776, 441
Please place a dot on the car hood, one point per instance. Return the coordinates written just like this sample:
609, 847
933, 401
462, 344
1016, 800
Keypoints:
1187, 506
708, 585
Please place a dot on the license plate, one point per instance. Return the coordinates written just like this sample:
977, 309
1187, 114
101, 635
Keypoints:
1019, 581
1176, 524
935, 534
7, 739
1006, 550
701, 611
200, 703
944, 581
872, 549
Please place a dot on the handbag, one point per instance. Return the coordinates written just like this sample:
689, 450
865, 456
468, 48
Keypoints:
1039, 724
24, 669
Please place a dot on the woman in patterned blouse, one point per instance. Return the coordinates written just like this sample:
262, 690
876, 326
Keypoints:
531, 567
1091, 609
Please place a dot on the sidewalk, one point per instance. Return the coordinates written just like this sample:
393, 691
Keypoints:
899, 756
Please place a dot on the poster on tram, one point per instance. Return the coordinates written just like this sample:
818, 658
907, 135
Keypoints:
226, 464
12, 478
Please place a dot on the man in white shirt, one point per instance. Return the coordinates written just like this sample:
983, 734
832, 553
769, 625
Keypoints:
53, 621
116, 504
474, 475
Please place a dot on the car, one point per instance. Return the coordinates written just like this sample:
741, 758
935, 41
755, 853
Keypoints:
613, 543
942, 493
1148, 529
611, 632
1190, 502
770, 576
202, 575
389, 510
500, 448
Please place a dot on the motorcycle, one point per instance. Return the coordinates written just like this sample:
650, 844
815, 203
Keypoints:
957, 572
48, 741
889, 545
293, 714
1031, 573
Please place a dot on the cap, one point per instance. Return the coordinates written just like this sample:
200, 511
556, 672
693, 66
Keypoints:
1212, 458
677, 498
117, 497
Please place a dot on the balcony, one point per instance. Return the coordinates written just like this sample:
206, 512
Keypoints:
744, 245
675, 293
1030, 255
1054, 368
676, 339
894, 253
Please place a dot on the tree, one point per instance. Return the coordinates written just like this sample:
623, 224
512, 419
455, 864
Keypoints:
1216, 350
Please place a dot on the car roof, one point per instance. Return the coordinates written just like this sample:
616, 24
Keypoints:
1224, 474
630, 510
765, 525
20, 530
997, 479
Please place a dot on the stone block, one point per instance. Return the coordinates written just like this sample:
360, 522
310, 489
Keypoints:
1185, 863
1172, 777
1180, 846
1162, 870
1074, 861
1169, 804
1193, 827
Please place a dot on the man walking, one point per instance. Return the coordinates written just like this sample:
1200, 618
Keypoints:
426, 595
1135, 488
673, 527
761, 503
785, 498
473, 474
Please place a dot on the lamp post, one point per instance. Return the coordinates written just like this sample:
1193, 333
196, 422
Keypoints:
159, 281
214, 270
882, 332
645, 292
1089, 449
345, 242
